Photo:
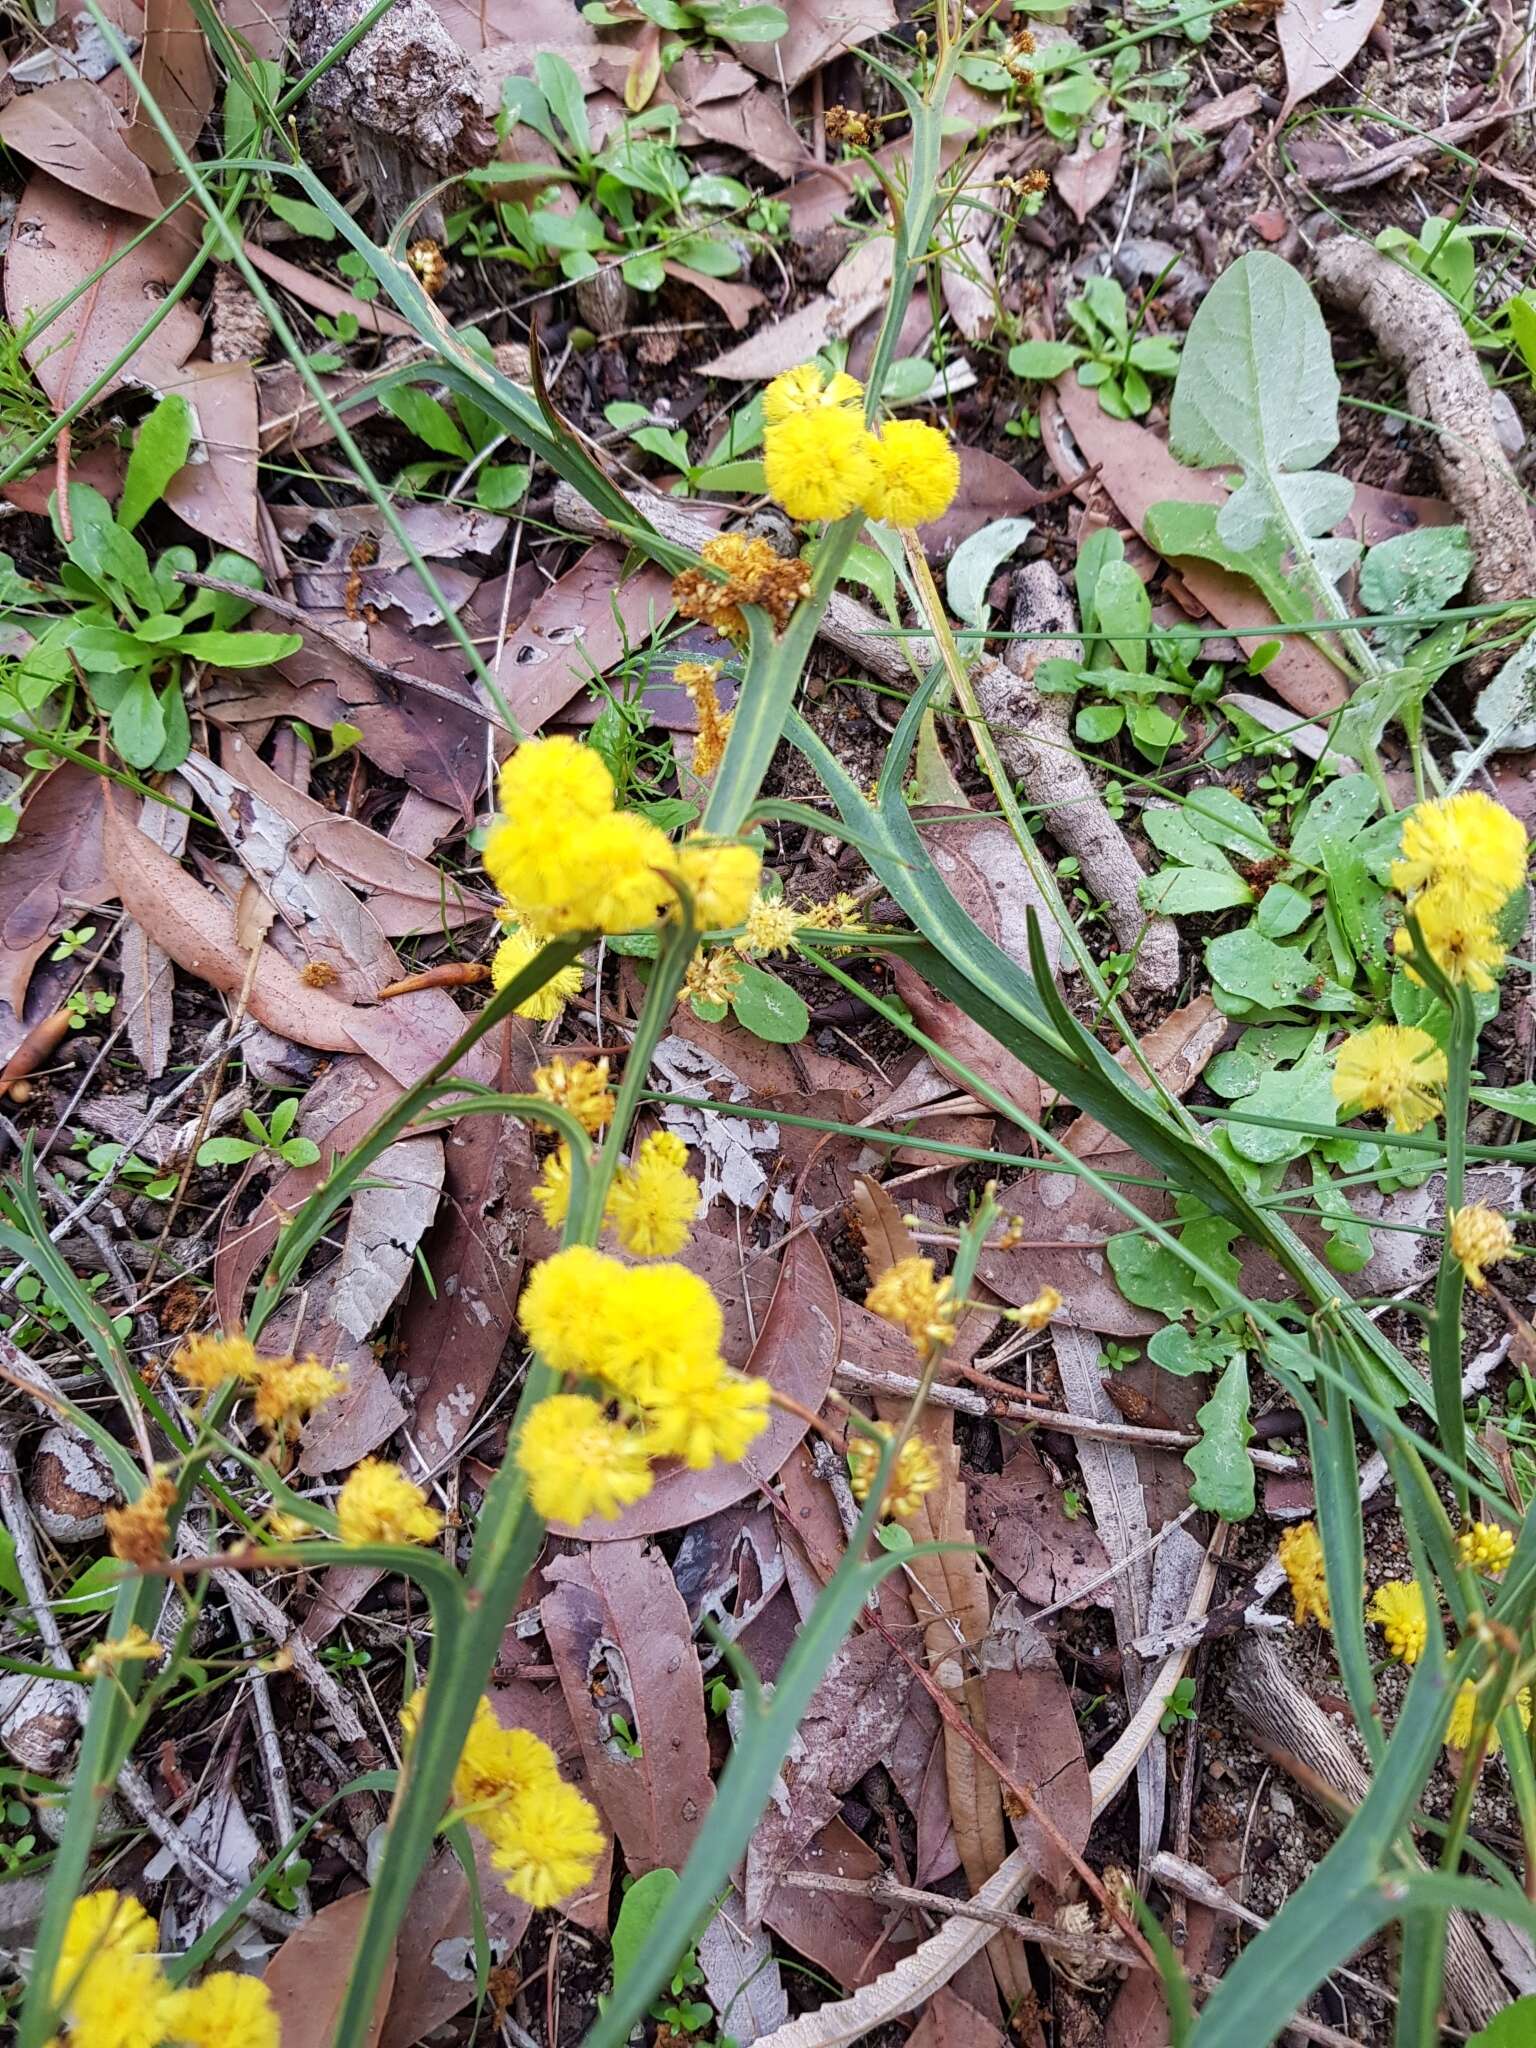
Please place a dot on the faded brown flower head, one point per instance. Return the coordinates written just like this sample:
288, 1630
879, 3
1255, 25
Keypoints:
854, 129
1034, 183
318, 974
754, 574
140, 1533
699, 678
711, 978
1016, 51
429, 264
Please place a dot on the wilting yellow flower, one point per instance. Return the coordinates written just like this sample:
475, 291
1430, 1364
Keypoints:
808, 389
227, 2010
917, 1472
755, 573
711, 978
1467, 848
700, 1411
1301, 1555
1462, 943
1034, 1315
379, 1504
839, 914
821, 464
653, 1201
578, 1462
552, 1189
581, 1086
771, 926
512, 956
1480, 1237
140, 1532
908, 1295
545, 1843
699, 678
916, 474
721, 877
1464, 1714
136, 1647
285, 1528
1398, 1607
1394, 1068
289, 1390
207, 1361
1486, 1547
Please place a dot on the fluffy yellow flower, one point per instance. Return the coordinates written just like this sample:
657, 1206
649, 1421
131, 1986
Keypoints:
118, 2003
700, 1411
1486, 1547
103, 1926
1394, 1068
136, 1647
207, 1361
579, 874
819, 465
1301, 1555
579, 1463
290, 1389
721, 878
916, 1474
653, 1201
512, 956
546, 1843
1464, 1714
1462, 943
1398, 1607
581, 1086
564, 1309
227, 2010
908, 1295
495, 1763
555, 778
552, 1189
771, 926
1480, 1237
657, 1321
379, 1504
916, 474
808, 389
1467, 847
711, 978
1034, 1315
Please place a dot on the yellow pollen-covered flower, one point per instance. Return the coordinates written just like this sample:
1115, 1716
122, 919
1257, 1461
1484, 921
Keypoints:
207, 1361
1485, 1547
700, 1411
1462, 943
103, 1925
711, 978
1394, 1068
699, 679
1464, 1716
578, 1462
512, 956
1467, 848
227, 2010
722, 879
821, 464
552, 1189
136, 1647
555, 778
1301, 1556
291, 1389
1480, 1237
565, 1305
119, 2003
908, 1295
916, 474
654, 1200
755, 573
580, 1086
579, 874
916, 1474
659, 1320
546, 1843
1034, 1315
1399, 1610
810, 388
495, 1763
285, 1528
771, 926
379, 1504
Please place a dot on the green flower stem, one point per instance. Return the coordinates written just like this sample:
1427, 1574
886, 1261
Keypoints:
1450, 1283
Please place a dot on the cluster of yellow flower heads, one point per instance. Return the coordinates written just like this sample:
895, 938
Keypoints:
650, 1204
1485, 1547
1462, 859
112, 1992
910, 1295
565, 860
820, 461
915, 1474
649, 1338
545, 1838
283, 1391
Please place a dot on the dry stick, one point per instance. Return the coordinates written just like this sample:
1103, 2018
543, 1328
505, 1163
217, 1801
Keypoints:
193, 1864
269, 1748
885, 1891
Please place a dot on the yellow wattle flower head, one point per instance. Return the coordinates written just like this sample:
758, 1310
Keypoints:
917, 1472
1486, 1547
495, 1762
1462, 943
1034, 1315
556, 778
1468, 847
711, 977
565, 1305
578, 1462
579, 874
1480, 1237
700, 1411
916, 474
1464, 1715
118, 2003
378, 1504
1301, 1555
290, 1389
771, 926
1395, 1068
581, 1086
103, 1926
207, 1361
908, 1295
809, 389
552, 1190
722, 878
659, 1320
227, 2010
1399, 1610
821, 464
136, 1647
510, 958
653, 1201
545, 1843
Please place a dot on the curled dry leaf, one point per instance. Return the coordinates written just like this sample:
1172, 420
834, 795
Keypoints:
215, 489
72, 130
846, 1936
1087, 176
1018, 1518
308, 1976
818, 31
857, 288
581, 625
435, 1977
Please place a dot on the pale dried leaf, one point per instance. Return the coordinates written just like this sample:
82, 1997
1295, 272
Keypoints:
582, 625
818, 31
73, 130
215, 489
178, 76
741, 1974
882, 1230
1088, 175
1318, 40
385, 1224
858, 287
308, 1976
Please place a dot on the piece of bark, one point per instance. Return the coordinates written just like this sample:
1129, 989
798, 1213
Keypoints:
1034, 738
1421, 333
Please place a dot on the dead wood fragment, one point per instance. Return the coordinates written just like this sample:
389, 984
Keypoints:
1421, 334
1034, 738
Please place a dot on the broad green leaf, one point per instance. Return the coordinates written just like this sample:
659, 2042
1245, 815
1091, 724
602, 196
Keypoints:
562, 91
427, 418
112, 558
1096, 723
1303, 1092
976, 561
10, 1577
94, 1590
106, 650
1182, 531
298, 213
1227, 821
240, 650
1413, 572
1269, 976
744, 478
160, 449
1124, 614
644, 272
138, 723
1187, 892
1185, 1353
226, 1151
769, 1008
1150, 1276
1506, 709
501, 486
1518, 1101
1282, 910
1222, 1469
708, 254
1155, 731
641, 1917
1040, 361
1172, 830
299, 1152
752, 24
1339, 812
1514, 2027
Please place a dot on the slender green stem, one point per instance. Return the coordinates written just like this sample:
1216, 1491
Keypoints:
1450, 1282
